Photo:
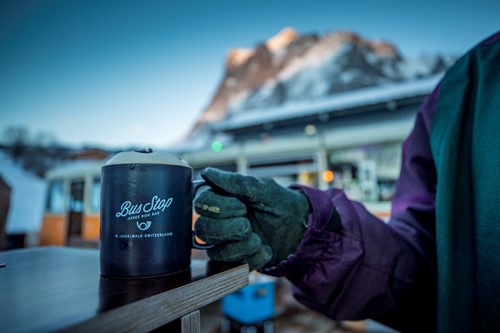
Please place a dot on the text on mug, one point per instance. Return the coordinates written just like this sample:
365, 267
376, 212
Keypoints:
156, 204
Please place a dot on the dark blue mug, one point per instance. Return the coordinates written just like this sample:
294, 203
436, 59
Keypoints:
146, 215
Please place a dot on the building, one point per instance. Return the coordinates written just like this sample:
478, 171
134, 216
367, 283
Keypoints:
350, 140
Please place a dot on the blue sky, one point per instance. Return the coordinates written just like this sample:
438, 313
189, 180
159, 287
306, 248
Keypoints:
119, 73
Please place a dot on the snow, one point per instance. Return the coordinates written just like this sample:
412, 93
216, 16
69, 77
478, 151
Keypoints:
328, 68
75, 167
341, 101
318, 54
27, 197
414, 67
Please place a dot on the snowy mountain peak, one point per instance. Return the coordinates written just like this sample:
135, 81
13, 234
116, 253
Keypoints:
294, 67
281, 40
236, 57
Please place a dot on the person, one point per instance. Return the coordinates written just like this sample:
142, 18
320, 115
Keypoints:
435, 266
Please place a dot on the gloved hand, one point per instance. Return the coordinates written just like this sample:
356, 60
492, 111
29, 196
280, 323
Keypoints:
249, 219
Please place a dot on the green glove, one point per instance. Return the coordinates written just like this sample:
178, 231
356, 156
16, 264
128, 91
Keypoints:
249, 219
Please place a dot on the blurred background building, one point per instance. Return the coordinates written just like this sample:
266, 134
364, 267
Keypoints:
321, 110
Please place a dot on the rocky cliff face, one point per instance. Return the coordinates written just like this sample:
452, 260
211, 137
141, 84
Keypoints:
291, 67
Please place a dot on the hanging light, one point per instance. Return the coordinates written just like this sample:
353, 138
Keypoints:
328, 176
310, 129
217, 146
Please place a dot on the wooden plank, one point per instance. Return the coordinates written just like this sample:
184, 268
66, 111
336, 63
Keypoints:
190, 323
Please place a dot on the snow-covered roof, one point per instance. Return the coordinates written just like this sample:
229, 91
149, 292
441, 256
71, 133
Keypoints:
341, 101
77, 167
27, 197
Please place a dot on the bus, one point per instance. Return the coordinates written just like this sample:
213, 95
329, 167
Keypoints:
72, 208
71, 216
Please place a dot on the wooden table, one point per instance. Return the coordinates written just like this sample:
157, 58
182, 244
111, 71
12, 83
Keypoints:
53, 289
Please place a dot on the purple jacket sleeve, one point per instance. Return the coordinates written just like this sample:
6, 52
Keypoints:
372, 269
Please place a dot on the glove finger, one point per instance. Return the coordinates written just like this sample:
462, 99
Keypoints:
261, 258
210, 204
219, 231
247, 188
236, 251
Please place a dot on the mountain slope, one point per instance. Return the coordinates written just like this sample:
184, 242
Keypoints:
293, 67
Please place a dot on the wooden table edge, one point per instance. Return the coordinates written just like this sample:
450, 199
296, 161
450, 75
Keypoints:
158, 310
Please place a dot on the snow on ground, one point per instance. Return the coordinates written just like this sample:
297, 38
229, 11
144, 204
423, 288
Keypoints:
27, 197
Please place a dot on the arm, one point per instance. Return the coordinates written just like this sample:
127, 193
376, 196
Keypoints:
370, 269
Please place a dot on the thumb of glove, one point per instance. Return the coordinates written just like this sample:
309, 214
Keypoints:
246, 188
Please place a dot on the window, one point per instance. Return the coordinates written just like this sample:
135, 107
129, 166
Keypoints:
367, 173
55, 198
286, 170
95, 195
76, 196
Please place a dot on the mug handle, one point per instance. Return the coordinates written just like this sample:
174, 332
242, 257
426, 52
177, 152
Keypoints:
197, 184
